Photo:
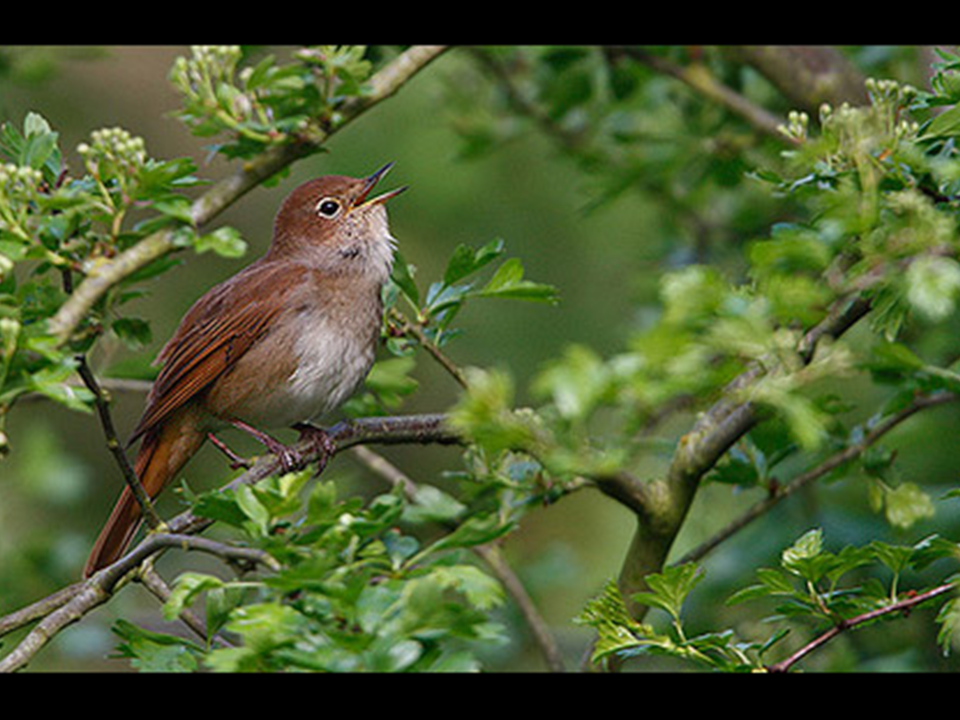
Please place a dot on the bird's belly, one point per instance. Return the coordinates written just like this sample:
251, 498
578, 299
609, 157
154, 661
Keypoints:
324, 369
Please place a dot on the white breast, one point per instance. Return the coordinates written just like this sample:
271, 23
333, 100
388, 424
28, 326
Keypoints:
330, 367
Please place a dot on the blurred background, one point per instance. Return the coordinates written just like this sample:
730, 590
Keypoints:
59, 483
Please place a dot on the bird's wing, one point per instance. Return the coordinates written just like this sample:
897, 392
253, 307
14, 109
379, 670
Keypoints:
220, 327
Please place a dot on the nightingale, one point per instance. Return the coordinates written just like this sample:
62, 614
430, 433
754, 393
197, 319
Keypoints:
285, 341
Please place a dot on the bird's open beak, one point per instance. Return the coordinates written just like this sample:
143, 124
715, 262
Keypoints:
368, 185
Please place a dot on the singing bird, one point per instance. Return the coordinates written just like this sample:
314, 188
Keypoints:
283, 342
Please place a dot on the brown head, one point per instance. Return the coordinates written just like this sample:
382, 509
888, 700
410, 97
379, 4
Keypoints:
332, 222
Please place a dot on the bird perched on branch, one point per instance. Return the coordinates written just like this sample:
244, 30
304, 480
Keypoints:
284, 341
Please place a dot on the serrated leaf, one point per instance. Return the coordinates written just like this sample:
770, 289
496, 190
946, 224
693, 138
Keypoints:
669, 589
466, 261
508, 282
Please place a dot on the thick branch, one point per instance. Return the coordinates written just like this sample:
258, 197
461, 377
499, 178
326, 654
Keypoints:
808, 76
716, 430
381, 86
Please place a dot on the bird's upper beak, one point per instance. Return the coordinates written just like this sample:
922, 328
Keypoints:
368, 185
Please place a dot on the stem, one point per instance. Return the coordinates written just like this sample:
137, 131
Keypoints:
416, 330
102, 403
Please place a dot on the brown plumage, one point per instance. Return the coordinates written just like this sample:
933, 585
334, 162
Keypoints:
286, 340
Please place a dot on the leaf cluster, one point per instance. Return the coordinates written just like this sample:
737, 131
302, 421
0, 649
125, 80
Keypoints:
268, 102
353, 591
811, 586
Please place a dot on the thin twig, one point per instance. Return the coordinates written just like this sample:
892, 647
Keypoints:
416, 330
849, 624
102, 403
699, 77
151, 580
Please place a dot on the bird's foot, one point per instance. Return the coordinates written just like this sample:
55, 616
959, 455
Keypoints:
288, 457
321, 441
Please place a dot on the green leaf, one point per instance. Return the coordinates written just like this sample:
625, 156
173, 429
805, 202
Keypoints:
949, 619
474, 531
185, 590
933, 285
508, 282
133, 332
466, 261
946, 124
481, 590
155, 652
797, 558
906, 504
669, 589
251, 506
220, 505
617, 631
430, 504
225, 241
402, 276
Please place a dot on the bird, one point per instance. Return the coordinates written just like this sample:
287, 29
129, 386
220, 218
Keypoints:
281, 343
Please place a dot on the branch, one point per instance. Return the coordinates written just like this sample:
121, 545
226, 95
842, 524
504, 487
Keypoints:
900, 606
699, 78
831, 463
102, 403
665, 502
219, 197
408, 328
71, 604
808, 76
151, 580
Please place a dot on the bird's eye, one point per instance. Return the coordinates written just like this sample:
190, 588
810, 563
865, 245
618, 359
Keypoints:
328, 207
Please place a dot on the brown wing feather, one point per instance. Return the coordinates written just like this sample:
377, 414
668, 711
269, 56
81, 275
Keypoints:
220, 327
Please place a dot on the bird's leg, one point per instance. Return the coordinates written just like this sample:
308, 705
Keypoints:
288, 457
320, 439
236, 461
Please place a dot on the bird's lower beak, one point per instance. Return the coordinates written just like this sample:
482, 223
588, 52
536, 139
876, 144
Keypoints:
368, 185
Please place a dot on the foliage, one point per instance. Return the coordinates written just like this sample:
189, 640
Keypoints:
764, 243
353, 591
813, 587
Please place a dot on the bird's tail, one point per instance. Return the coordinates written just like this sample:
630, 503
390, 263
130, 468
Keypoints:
163, 452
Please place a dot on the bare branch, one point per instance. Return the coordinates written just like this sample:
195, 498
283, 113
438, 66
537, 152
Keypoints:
699, 77
102, 403
807, 75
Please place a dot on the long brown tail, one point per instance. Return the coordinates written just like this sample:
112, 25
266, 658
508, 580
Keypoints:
162, 453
